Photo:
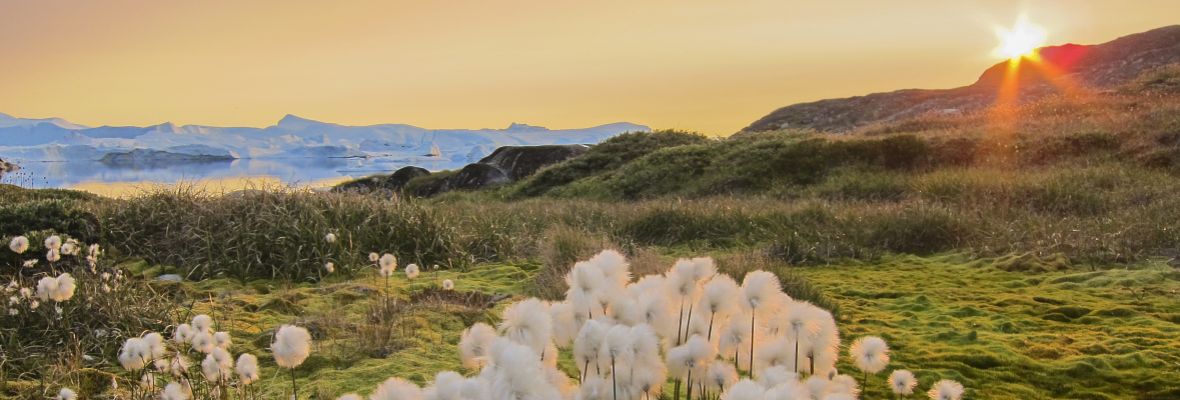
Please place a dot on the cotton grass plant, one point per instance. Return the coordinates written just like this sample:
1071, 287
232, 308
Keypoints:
606, 324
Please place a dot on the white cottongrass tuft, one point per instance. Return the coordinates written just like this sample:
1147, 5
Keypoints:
388, 264
217, 366
448, 284
745, 389
720, 376
222, 340
176, 391
58, 289
203, 342
330, 238
759, 289
396, 389
247, 368
350, 396
448, 385
474, 345
53, 242
66, 394
946, 389
373, 257
203, 323
135, 354
870, 354
329, 267
292, 345
183, 334
412, 271
53, 255
19, 244
527, 322
902, 382
70, 248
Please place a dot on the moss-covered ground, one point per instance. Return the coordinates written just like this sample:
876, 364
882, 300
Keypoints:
1018, 327
1010, 327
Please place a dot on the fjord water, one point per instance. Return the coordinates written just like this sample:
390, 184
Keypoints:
215, 176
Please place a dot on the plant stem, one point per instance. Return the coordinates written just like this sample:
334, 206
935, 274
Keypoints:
294, 388
752, 313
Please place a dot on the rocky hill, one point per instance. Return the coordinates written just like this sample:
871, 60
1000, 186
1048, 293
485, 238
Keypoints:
1085, 67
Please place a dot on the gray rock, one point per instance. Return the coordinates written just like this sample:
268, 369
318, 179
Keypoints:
519, 162
477, 176
394, 182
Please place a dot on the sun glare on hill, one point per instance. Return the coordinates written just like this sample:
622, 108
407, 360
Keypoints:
1021, 40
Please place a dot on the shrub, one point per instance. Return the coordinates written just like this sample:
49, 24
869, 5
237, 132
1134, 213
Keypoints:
603, 157
70, 217
279, 234
916, 230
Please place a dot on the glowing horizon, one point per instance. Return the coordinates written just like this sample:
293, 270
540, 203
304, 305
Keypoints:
693, 65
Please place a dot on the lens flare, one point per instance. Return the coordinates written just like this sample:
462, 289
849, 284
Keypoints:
1021, 40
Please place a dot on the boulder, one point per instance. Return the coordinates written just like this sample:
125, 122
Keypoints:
477, 176
394, 182
518, 162
6, 166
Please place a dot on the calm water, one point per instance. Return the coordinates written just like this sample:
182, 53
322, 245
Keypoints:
110, 180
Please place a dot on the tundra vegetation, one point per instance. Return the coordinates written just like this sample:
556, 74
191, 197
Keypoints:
1023, 253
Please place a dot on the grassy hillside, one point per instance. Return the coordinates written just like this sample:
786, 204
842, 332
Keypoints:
1029, 253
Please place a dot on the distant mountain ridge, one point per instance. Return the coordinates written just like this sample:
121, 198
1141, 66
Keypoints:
1097, 67
55, 139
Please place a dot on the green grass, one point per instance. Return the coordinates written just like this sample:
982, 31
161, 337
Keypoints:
1034, 332
1077, 332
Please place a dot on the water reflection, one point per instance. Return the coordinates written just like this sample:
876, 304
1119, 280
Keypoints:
217, 176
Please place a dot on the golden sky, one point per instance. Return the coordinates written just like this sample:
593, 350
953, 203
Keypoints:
710, 66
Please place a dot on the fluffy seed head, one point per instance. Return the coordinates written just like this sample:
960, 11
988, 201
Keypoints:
396, 389
217, 365
869, 354
474, 344
329, 267
412, 271
292, 345
53, 242
946, 389
66, 394
19, 244
203, 323
135, 354
247, 368
448, 284
176, 391
183, 334
330, 238
203, 342
222, 340
388, 264
528, 323
745, 389
902, 382
759, 288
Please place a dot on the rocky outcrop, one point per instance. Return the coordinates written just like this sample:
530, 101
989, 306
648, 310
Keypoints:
1099, 67
143, 158
521, 161
394, 182
6, 166
505, 165
478, 176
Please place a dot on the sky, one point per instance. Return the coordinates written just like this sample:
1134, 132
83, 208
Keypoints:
708, 66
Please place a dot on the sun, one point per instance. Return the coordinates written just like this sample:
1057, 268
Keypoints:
1021, 40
